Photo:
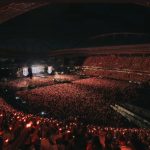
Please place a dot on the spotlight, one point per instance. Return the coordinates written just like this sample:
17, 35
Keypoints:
36, 69
50, 69
25, 71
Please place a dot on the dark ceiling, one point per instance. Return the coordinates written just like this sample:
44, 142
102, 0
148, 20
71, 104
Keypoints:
62, 26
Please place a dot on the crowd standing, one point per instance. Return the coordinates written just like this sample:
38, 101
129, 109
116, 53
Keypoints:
77, 116
19, 131
88, 99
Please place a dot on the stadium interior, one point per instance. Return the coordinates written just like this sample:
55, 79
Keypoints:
74, 75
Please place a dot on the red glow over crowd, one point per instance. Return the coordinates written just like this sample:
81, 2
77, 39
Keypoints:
89, 99
130, 63
123, 68
75, 115
21, 131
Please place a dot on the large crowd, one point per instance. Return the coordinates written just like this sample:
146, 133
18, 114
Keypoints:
119, 62
88, 99
120, 75
71, 116
19, 131
118, 67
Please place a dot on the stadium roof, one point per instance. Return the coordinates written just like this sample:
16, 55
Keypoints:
42, 26
12, 8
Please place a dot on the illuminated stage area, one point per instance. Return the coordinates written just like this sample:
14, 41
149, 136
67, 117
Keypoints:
37, 70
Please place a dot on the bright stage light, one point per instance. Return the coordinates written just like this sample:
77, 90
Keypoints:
50, 69
36, 69
25, 71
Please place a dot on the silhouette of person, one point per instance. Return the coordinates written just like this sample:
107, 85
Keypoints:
30, 72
